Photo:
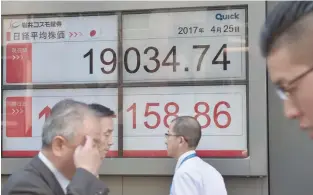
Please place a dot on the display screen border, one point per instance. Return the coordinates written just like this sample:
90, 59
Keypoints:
164, 166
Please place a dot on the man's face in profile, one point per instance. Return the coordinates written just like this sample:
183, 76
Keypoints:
106, 135
290, 68
171, 141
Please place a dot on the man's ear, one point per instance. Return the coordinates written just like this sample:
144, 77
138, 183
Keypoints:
181, 140
57, 145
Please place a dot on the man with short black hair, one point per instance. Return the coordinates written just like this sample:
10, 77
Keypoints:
192, 175
106, 120
102, 111
287, 43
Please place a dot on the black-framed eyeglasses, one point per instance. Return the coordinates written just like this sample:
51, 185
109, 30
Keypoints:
175, 135
283, 92
168, 134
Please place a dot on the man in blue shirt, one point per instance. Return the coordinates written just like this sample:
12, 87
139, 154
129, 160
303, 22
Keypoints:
192, 175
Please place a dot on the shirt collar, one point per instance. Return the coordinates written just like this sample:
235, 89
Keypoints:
63, 181
181, 158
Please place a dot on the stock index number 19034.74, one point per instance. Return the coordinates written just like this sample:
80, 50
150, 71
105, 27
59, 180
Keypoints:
156, 61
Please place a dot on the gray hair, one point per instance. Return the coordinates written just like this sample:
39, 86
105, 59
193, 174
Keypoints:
66, 116
189, 128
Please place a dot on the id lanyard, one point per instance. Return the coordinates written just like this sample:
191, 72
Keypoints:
186, 158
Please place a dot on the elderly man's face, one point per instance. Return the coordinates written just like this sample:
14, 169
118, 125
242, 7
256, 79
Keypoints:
286, 64
91, 127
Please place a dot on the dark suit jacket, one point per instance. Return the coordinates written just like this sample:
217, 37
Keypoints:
37, 179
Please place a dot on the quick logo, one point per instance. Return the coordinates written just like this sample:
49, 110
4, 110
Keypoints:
232, 16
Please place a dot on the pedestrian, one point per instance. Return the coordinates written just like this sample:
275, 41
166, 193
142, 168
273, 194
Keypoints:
192, 176
287, 43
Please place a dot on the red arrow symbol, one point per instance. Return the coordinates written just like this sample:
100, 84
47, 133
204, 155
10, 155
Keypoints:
17, 111
75, 34
46, 111
16, 57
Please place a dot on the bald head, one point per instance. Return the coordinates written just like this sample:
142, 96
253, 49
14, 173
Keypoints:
188, 127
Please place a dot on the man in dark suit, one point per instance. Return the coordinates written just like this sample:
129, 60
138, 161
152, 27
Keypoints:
72, 151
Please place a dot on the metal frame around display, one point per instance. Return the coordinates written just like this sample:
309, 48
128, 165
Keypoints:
256, 162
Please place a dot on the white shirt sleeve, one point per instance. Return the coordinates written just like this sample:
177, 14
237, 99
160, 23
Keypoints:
184, 184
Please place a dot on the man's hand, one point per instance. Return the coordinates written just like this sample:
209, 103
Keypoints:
88, 157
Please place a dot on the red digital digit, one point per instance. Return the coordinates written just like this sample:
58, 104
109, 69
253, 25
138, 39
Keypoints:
133, 108
218, 113
147, 113
168, 113
204, 113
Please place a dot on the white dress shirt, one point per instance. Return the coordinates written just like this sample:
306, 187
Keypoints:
196, 177
63, 181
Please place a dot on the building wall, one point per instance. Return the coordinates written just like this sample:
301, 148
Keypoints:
120, 185
289, 151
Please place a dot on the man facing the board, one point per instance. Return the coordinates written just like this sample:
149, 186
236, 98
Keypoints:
192, 175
